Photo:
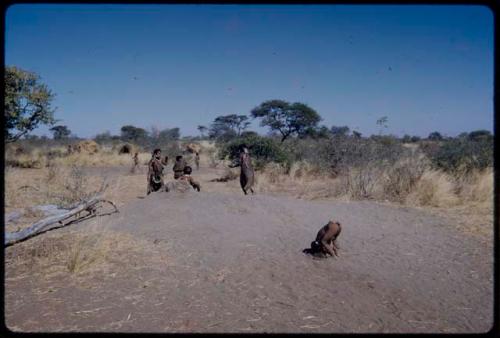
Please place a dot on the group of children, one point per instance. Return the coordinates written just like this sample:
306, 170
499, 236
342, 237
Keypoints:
182, 172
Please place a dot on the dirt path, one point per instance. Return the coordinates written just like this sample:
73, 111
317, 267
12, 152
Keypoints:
233, 263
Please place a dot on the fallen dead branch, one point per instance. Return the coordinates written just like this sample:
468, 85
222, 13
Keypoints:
13, 216
28, 186
55, 221
225, 178
221, 179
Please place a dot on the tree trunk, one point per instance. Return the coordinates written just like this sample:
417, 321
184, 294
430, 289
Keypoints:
52, 221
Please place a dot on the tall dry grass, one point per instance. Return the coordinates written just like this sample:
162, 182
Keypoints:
476, 187
466, 200
80, 253
38, 158
103, 158
434, 188
60, 185
409, 182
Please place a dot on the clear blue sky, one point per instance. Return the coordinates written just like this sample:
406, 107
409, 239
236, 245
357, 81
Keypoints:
426, 68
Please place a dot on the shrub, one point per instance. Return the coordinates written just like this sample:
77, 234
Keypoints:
401, 178
262, 149
359, 182
339, 153
461, 154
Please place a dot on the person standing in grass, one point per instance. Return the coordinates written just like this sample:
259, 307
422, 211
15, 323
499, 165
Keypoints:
155, 172
247, 176
197, 160
136, 162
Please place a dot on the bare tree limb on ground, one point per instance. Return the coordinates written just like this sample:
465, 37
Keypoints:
55, 221
28, 186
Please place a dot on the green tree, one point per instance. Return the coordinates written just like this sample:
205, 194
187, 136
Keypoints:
27, 103
462, 154
249, 133
202, 130
262, 149
169, 135
356, 134
130, 133
382, 123
60, 132
104, 137
316, 132
339, 131
435, 136
478, 135
286, 118
406, 138
228, 126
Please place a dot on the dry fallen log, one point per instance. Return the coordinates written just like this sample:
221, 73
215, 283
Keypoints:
13, 216
55, 221
28, 186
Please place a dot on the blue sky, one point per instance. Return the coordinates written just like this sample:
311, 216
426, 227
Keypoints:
426, 68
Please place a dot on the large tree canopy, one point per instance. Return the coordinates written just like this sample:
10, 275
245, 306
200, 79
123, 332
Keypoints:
339, 131
435, 136
202, 130
286, 118
169, 134
27, 103
228, 126
60, 132
130, 133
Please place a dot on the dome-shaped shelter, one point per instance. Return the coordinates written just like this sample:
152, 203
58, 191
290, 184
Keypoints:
126, 149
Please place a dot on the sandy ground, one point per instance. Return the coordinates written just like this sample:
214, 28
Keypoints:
219, 261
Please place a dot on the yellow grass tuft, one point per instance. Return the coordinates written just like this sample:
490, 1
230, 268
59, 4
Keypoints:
477, 186
103, 158
79, 253
435, 189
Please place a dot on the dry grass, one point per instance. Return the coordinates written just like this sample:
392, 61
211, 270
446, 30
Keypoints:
37, 158
63, 186
209, 156
103, 158
467, 200
435, 189
40, 158
302, 180
79, 253
476, 187
54, 185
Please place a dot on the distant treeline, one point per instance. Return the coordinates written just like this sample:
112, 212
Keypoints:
295, 133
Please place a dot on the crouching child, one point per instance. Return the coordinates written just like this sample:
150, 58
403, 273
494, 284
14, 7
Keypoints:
325, 243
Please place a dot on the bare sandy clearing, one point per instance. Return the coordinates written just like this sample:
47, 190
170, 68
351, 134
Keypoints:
233, 263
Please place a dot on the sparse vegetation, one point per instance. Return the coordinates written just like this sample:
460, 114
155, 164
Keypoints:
465, 153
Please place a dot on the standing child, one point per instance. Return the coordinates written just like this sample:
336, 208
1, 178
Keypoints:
155, 172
